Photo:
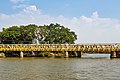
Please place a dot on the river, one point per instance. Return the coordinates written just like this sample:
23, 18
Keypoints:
59, 69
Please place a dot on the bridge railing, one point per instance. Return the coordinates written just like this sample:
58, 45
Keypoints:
60, 47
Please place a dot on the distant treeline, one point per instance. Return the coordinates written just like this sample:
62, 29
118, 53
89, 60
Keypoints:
47, 34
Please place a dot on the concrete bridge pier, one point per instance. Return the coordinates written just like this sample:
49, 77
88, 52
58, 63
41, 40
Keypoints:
66, 54
75, 54
21, 54
79, 53
113, 55
118, 54
33, 53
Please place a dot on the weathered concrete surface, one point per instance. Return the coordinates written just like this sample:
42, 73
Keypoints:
2, 55
21, 54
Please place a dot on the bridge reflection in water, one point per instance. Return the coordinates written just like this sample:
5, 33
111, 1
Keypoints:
78, 49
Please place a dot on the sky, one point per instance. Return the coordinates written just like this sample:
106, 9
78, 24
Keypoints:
94, 21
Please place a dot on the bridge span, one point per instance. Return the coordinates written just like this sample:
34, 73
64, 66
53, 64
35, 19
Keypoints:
79, 49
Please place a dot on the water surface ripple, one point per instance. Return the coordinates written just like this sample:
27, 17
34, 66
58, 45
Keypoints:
59, 69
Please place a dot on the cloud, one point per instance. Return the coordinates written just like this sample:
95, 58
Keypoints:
31, 8
17, 1
90, 29
20, 6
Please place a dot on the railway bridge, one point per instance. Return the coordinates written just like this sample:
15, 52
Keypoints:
78, 49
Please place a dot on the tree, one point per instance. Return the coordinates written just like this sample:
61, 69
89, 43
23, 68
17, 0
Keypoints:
10, 35
59, 34
50, 34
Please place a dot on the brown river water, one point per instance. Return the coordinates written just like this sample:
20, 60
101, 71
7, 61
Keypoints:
59, 69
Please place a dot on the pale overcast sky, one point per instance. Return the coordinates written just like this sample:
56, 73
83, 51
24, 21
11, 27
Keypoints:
94, 21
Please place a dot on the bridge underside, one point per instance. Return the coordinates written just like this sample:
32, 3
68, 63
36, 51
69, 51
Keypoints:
65, 54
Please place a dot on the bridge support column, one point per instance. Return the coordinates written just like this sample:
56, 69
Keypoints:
75, 54
33, 53
66, 54
118, 54
78, 54
21, 54
2, 54
113, 55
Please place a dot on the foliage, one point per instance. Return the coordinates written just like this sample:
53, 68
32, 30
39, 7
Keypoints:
49, 34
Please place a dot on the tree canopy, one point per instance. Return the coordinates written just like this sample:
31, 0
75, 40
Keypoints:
47, 34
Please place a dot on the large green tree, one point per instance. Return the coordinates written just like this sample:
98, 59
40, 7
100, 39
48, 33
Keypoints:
50, 34
59, 34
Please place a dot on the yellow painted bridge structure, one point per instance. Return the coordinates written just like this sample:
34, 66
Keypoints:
113, 49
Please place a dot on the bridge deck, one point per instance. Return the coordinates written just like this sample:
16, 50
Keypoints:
61, 47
